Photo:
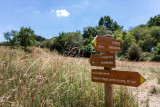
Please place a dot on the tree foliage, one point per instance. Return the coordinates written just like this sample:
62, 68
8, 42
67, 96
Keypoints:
127, 39
94, 31
68, 43
147, 38
157, 49
154, 21
87, 48
90, 31
11, 37
109, 23
26, 37
39, 38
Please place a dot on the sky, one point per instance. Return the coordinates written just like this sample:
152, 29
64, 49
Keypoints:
48, 18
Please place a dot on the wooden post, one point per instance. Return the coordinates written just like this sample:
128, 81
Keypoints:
108, 98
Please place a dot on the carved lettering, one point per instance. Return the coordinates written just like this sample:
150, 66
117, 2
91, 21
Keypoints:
100, 46
115, 42
106, 62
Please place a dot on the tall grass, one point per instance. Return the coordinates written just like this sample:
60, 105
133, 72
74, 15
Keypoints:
124, 98
43, 78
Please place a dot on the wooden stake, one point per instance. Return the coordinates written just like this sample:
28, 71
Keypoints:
108, 98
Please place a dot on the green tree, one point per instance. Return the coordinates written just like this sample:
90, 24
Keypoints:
156, 56
11, 37
90, 31
109, 23
106, 21
148, 43
155, 33
146, 38
74, 41
88, 40
157, 49
26, 37
154, 21
127, 39
59, 43
66, 43
87, 50
102, 31
39, 38
94, 31
139, 32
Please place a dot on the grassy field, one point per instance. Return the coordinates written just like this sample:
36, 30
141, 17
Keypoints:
44, 78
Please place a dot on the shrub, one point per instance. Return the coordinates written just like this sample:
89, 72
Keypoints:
147, 56
156, 58
87, 50
66, 43
46, 44
134, 52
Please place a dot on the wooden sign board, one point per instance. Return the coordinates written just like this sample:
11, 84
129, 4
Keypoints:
126, 78
106, 44
103, 60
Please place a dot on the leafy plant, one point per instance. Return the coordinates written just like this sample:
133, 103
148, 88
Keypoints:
134, 52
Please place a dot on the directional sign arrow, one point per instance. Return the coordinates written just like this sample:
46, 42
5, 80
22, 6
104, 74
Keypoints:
103, 60
126, 78
106, 44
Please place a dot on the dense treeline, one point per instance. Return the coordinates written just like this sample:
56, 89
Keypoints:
77, 44
139, 43
147, 37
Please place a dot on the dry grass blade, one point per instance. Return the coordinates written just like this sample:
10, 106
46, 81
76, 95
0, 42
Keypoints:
30, 67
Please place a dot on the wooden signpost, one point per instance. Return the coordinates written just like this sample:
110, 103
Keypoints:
126, 78
107, 75
103, 60
106, 44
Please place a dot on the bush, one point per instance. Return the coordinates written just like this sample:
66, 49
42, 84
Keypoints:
147, 56
156, 58
134, 52
86, 51
157, 49
46, 44
68, 43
